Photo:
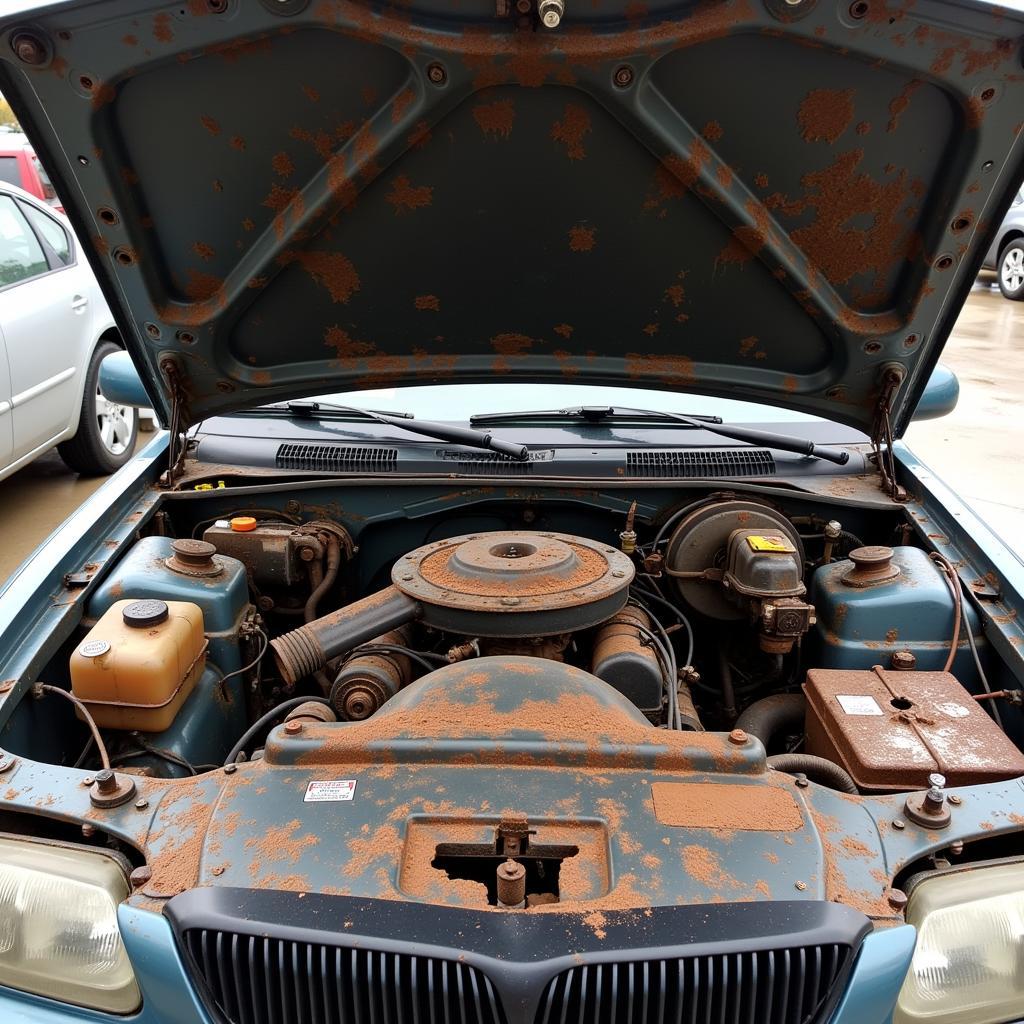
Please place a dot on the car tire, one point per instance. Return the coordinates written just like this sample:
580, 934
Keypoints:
106, 435
1010, 270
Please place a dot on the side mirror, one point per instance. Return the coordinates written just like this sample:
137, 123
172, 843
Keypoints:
120, 381
940, 395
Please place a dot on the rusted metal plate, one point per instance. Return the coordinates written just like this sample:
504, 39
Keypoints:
890, 730
725, 806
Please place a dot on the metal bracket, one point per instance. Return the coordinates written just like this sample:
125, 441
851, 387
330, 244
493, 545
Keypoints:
177, 446
893, 375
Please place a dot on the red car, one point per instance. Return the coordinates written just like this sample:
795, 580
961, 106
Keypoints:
20, 166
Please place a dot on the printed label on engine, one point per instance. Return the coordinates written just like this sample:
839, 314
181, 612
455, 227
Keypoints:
336, 789
858, 704
759, 542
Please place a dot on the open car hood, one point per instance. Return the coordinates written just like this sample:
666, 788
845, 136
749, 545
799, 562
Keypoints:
765, 199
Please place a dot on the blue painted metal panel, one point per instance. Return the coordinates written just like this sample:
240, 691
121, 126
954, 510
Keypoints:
877, 977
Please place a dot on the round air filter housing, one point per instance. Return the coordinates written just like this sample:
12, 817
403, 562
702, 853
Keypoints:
515, 583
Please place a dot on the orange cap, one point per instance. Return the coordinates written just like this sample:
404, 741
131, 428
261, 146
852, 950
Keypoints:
243, 524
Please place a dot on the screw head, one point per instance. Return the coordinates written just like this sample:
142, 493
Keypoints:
955, 800
217, 870
140, 876
623, 76
88, 830
407, 577
306, 553
141, 805
801, 886
937, 780
899, 824
437, 74
618, 573
801, 780
896, 898
105, 781
6, 763
738, 737
293, 728
230, 769
28, 48
510, 602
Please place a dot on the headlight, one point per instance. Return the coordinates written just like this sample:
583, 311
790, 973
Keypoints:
969, 961
58, 926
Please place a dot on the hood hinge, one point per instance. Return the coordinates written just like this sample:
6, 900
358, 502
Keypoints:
893, 376
176, 447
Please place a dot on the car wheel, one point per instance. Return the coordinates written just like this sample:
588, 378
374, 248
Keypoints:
1011, 269
106, 432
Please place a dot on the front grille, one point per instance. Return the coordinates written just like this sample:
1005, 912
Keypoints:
716, 462
335, 457
788, 986
258, 980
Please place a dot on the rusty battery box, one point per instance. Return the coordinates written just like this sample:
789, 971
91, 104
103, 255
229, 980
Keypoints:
889, 730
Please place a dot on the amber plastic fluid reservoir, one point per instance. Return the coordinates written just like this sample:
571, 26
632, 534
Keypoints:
139, 663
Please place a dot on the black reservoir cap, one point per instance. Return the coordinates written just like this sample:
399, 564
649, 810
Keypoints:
145, 613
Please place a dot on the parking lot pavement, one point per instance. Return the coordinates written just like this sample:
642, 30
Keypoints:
976, 449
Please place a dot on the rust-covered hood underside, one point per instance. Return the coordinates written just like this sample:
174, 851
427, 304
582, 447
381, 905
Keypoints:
756, 198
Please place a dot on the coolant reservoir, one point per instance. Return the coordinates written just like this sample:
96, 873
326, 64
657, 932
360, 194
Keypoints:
139, 663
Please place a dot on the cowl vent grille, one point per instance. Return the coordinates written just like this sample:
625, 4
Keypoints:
259, 980
715, 462
785, 986
336, 457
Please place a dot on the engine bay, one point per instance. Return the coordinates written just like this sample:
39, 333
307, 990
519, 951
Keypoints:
770, 640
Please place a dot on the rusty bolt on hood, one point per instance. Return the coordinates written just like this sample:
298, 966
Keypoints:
738, 736
511, 885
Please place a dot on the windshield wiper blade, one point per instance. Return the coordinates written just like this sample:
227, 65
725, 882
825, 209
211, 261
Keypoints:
406, 421
713, 425
588, 413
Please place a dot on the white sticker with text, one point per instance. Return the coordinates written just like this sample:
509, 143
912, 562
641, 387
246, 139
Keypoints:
853, 704
336, 789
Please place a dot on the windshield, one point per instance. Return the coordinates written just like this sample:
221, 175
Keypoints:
457, 402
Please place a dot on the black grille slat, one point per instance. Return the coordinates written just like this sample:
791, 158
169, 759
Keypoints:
711, 462
264, 980
786, 986
335, 457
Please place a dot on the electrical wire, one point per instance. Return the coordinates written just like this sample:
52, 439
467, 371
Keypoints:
993, 705
255, 661
678, 614
269, 717
419, 657
89, 720
952, 578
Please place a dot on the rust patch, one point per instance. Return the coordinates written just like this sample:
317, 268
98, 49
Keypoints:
899, 103
670, 369
564, 330
210, 124
712, 131
282, 164
203, 251
575, 124
345, 346
400, 105
581, 238
406, 196
495, 119
705, 867
162, 31
332, 270
825, 114
761, 808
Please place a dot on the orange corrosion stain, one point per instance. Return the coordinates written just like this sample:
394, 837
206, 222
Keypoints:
344, 345
431, 302
570, 131
203, 251
406, 196
495, 119
582, 239
712, 131
825, 114
565, 330
210, 124
282, 164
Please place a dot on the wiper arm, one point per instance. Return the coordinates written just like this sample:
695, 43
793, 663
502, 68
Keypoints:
588, 413
406, 421
713, 425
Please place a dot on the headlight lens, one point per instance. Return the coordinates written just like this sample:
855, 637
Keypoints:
58, 926
969, 961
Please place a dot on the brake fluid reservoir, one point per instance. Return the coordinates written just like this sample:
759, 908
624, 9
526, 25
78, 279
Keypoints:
139, 662
884, 600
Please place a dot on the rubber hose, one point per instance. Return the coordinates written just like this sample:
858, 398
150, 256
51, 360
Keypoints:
330, 575
767, 717
817, 769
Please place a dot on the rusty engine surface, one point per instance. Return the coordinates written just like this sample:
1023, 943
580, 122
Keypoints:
524, 706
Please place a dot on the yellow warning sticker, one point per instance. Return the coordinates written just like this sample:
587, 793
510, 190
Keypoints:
769, 543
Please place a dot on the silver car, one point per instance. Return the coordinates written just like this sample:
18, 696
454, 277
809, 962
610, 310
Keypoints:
55, 329
1006, 256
